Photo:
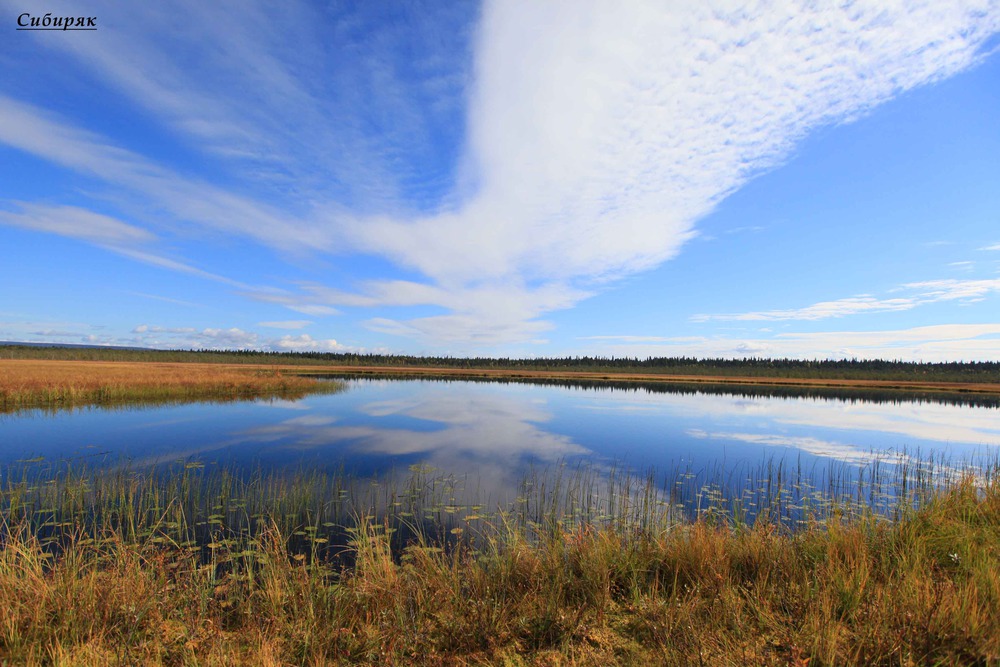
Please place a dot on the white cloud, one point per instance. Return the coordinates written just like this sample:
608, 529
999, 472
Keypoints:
753, 348
211, 338
228, 338
600, 133
306, 343
995, 246
488, 313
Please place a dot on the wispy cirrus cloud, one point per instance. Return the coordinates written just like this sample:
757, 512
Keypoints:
75, 222
106, 232
951, 289
131, 174
166, 299
334, 102
817, 311
930, 291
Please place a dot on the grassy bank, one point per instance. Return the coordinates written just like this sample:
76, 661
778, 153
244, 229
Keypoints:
847, 370
67, 376
195, 566
54, 384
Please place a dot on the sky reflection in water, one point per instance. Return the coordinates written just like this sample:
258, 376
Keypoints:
493, 433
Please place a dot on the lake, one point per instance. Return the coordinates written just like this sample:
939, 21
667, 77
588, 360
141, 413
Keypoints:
492, 434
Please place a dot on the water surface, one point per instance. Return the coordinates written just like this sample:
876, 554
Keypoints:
492, 434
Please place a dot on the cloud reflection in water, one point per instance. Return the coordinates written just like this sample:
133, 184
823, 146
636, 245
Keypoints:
489, 437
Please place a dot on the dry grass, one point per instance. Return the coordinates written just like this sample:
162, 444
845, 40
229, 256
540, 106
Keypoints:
42, 383
924, 589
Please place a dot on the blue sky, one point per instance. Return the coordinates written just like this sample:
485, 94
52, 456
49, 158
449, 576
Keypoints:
507, 178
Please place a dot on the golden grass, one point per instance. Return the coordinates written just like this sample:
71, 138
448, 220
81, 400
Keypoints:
921, 590
43, 383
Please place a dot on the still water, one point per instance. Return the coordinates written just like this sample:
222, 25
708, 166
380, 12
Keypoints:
492, 434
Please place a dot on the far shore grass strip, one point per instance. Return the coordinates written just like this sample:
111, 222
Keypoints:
54, 384
752, 368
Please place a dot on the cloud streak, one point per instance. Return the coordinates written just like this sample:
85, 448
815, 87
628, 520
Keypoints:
75, 222
930, 291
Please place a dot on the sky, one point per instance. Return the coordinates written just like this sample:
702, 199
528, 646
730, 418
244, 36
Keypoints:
512, 178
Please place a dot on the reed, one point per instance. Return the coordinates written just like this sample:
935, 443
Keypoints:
193, 564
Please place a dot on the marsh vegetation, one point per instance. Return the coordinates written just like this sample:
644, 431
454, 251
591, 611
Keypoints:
884, 558
200, 564
761, 368
54, 384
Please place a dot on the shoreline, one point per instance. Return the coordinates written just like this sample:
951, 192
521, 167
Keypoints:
55, 382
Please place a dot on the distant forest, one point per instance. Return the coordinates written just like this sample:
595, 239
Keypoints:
859, 369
